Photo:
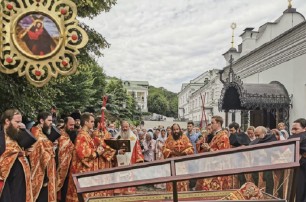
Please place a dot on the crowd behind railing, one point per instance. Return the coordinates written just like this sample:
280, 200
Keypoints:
38, 163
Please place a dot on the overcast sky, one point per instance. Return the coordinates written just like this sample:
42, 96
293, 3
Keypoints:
170, 42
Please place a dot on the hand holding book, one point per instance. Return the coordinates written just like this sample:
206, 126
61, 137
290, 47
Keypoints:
119, 144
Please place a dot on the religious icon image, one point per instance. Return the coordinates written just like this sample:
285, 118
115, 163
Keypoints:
37, 35
40, 39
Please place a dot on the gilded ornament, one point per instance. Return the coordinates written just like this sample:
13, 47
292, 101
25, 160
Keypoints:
40, 39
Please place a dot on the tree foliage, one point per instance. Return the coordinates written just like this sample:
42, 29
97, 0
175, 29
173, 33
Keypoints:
17, 92
83, 90
121, 106
92, 8
162, 101
79, 91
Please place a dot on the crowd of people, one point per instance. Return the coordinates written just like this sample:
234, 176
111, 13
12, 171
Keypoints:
42, 169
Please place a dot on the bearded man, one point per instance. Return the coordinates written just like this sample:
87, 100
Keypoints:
128, 158
177, 144
65, 151
42, 159
2, 141
15, 175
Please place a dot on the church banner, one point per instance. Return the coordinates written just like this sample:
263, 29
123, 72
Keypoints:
40, 39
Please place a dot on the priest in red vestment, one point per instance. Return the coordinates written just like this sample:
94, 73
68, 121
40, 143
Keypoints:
42, 160
15, 174
220, 141
65, 151
177, 144
85, 156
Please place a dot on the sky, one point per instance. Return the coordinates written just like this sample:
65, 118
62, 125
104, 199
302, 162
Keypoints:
170, 42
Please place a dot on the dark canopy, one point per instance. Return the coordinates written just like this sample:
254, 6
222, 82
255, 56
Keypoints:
238, 96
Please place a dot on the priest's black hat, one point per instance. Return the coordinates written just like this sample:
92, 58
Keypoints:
76, 115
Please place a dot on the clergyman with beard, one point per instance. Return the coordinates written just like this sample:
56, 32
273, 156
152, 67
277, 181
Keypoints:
42, 159
15, 175
177, 144
128, 158
64, 154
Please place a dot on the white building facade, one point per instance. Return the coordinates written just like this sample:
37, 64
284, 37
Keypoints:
184, 105
140, 91
270, 64
267, 83
198, 100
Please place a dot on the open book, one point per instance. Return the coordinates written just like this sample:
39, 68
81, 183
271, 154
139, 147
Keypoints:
119, 144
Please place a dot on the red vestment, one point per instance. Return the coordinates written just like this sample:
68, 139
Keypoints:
65, 151
42, 162
11, 154
219, 142
105, 160
85, 159
249, 191
174, 148
34, 35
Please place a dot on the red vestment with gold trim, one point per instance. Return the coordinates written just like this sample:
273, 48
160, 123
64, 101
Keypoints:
174, 148
11, 154
65, 152
219, 142
42, 160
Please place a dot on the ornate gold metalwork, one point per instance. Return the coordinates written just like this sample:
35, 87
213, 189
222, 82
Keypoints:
289, 4
233, 27
40, 39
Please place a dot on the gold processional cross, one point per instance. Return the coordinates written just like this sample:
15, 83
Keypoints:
290, 4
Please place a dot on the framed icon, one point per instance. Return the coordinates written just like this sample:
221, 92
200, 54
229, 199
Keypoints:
37, 35
40, 39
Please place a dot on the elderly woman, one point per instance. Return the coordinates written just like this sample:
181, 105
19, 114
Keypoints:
160, 144
149, 146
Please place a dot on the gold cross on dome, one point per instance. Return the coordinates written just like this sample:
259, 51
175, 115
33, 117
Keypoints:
290, 4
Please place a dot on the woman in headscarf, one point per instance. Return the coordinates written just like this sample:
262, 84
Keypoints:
159, 144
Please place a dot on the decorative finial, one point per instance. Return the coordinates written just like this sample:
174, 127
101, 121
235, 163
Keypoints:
231, 71
289, 5
233, 26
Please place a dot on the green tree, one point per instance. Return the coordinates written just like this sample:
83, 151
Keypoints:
85, 89
18, 93
76, 91
117, 100
162, 101
120, 104
157, 103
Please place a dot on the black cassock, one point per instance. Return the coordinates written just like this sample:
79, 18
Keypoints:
301, 171
15, 187
267, 175
2, 142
